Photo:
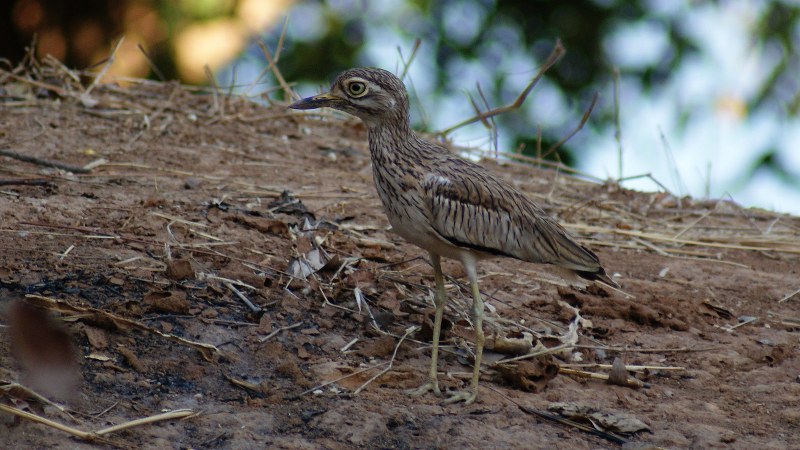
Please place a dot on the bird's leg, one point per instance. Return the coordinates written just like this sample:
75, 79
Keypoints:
477, 322
439, 299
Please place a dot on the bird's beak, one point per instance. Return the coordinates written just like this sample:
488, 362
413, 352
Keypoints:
317, 101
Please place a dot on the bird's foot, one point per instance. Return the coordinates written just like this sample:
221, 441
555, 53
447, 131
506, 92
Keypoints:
431, 385
462, 396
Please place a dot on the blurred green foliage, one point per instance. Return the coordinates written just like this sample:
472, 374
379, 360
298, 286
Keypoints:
344, 27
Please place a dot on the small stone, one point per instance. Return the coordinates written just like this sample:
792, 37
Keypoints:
192, 183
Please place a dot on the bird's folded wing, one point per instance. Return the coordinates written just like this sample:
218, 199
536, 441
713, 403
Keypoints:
472, 209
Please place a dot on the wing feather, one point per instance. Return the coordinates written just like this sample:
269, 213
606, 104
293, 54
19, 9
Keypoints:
471, 208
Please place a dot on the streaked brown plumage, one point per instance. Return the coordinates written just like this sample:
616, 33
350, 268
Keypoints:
446, 205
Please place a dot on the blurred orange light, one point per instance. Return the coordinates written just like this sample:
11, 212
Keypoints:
51, 42
27, 15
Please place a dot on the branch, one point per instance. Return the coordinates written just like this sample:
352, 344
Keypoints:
555, 55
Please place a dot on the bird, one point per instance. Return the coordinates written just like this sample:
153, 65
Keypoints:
447, 205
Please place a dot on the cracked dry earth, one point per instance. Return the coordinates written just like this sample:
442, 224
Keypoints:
195, 191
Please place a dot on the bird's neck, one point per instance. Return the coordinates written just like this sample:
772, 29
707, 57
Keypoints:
388, 138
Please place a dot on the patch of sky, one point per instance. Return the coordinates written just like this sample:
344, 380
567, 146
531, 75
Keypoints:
637, 45
307, 22
463, 21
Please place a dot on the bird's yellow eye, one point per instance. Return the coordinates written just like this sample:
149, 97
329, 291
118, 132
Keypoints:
357, 89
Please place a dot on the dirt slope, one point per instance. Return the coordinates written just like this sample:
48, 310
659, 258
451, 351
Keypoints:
197, 189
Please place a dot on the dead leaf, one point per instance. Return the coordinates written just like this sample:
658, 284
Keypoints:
360, 278
180, 269
287, 203
116, 281
377, 348
530, 375
720, 310
98, 357
518, 344
264, 225
255, 387
97, 337
173, 302
131, 358
604, 421
310, 263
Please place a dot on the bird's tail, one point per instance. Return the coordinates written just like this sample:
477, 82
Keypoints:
600, 275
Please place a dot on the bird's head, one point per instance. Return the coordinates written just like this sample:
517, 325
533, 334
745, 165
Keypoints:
375, 96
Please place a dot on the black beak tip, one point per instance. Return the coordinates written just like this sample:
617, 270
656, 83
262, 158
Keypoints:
315, 102
298, 104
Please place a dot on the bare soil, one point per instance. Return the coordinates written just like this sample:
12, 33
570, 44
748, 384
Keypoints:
200, 188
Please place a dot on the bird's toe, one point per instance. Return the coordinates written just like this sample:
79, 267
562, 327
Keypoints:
462, 396
430, 386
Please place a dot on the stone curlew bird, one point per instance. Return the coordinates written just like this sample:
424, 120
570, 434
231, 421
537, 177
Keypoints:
447, 205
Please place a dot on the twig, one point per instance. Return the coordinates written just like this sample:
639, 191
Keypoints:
294, 397
409, 331
11, 386
694, 222
629, 382
150, 62
172, 218
97, 436
39, 419
788, 296
555, 55
631, 368
649, 350
103, 71
176, 414
277, 58
360, 298
492, 125
348, 345
210, 276
787, 247
557, 348
43, 162
26, 182
651, 246
515, 157
242, 297
274, 333
66, 252
651, 178
47, 86
411, 57
740, 324
279, 47
674, 166
575, 130
585, 428
278, 76
219, 106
